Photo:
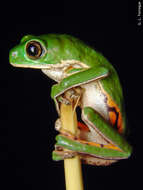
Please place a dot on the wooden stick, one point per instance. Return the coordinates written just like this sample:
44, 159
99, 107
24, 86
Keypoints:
72, 166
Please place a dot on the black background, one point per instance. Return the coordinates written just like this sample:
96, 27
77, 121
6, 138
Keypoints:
27, 111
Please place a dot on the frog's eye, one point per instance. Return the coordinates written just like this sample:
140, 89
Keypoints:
34, 49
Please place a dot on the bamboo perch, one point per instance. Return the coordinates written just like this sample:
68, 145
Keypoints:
72, 166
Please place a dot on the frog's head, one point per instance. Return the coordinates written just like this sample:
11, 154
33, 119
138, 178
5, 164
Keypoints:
32, 52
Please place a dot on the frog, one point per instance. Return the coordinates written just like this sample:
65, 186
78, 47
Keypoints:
81, 71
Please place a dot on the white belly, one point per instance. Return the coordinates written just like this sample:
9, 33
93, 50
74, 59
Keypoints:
93, 97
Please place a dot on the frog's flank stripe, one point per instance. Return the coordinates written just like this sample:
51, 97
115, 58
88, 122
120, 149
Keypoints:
114, 112
114, 116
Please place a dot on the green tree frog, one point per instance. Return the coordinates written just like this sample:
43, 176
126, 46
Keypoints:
76, 68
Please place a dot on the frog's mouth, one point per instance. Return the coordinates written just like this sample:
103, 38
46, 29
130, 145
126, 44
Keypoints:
62, 64
36, 66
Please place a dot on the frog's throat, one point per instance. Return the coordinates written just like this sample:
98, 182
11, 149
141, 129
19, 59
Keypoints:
59, 71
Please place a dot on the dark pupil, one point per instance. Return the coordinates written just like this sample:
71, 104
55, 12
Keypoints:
32, 50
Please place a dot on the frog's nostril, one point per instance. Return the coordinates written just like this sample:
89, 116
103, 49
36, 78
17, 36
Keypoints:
14, 54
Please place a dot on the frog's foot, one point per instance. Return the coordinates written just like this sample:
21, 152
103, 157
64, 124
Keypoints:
73, 94
58, 127
70, 96
63, 100
67, 98
60, 154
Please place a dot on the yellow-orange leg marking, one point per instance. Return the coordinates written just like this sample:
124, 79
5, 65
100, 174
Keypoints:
108, 146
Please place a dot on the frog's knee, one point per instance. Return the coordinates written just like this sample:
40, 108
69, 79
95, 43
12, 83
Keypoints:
87, 113
88, 110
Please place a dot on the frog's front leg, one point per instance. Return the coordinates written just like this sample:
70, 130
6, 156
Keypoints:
74, 81
70, 95
77, 79
114, 147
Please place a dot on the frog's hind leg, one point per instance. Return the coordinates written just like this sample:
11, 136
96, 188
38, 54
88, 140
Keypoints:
109, 138
103, 142
97, 143
60, 154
